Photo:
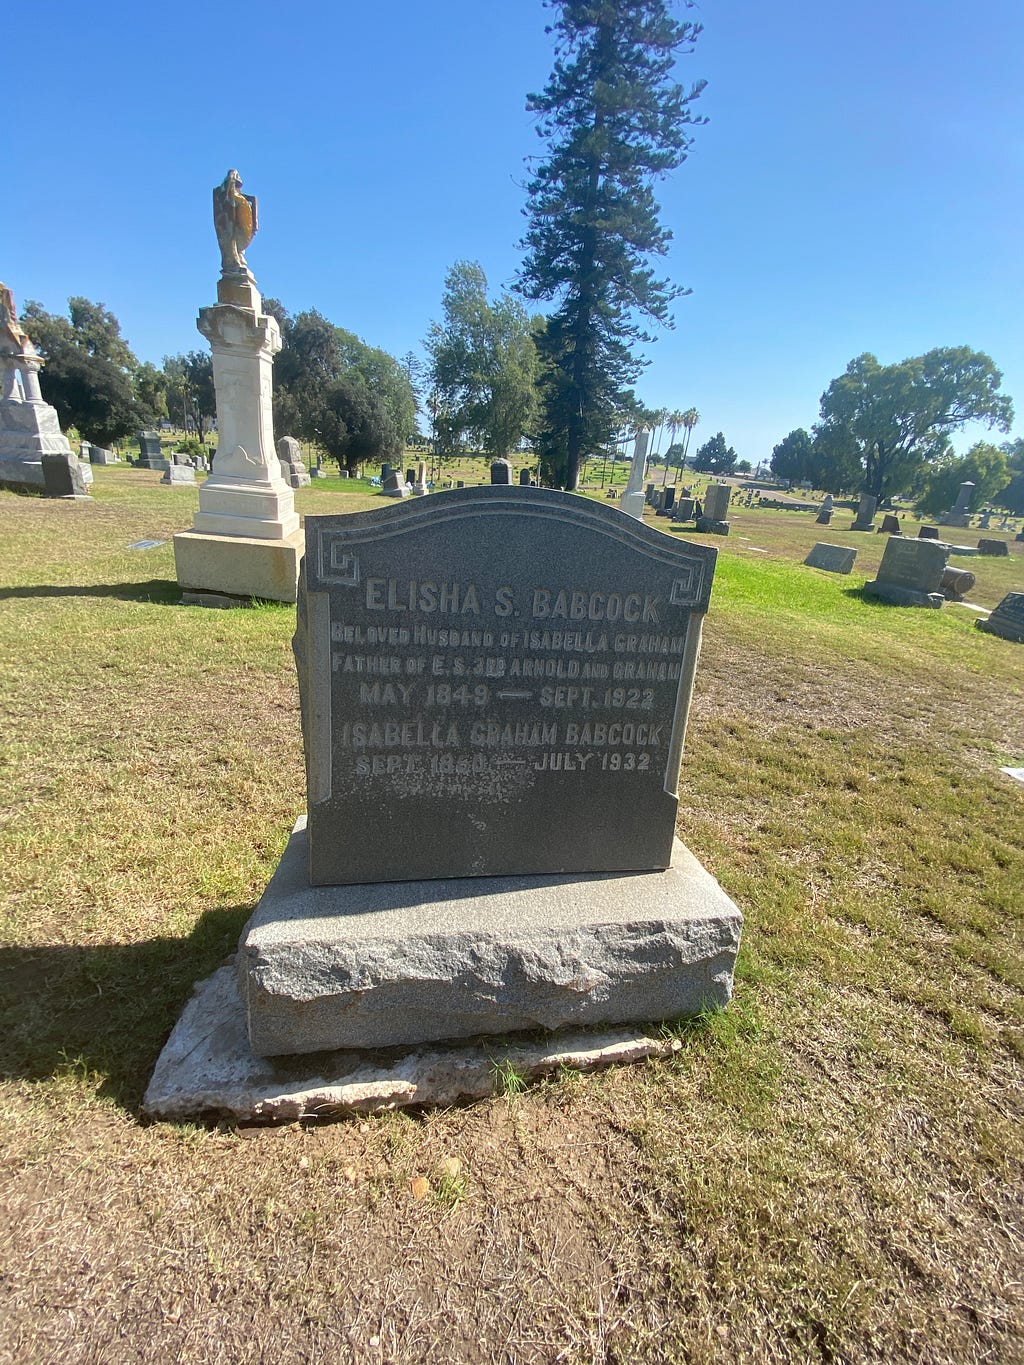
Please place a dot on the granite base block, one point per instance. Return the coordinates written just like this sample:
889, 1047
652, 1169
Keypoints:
239, 566
207, 1067
903, 597
712, 527
389, 964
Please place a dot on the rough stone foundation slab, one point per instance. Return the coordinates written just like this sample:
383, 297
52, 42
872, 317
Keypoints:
207, 1067
388, 964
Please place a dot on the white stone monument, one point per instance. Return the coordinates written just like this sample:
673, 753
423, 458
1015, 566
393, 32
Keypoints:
633, 499
29, 426
246, 541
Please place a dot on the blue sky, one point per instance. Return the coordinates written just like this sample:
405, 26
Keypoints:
858, 186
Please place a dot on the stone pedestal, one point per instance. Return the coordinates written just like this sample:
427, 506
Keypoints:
245, 503
29, 427
410, 962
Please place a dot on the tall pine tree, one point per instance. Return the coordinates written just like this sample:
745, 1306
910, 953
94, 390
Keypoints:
614, 121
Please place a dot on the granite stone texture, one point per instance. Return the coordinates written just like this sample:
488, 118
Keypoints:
910, 574
494, 676
387, 964
831, 558
208, 1069
993, 547
64, 476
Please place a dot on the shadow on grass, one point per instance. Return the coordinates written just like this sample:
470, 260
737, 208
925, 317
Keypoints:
163, 591
104, 1008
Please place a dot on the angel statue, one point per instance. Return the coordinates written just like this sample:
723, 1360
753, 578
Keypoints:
234, 217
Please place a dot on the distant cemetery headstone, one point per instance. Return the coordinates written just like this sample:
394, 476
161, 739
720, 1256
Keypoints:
150, 451
64, 476
716, 506
410, 476
824, 517
929, 533
910, 574
993, 547
501, 471
524, 478
98, 455
832, 558
959, 514
395, 486
666, 502
890, 526
293, 468
684, 510
179, 475
865, 520
420, 487
1007, 620
494, 678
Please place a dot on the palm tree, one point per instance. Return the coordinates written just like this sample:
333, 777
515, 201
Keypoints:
673, 421
689, 420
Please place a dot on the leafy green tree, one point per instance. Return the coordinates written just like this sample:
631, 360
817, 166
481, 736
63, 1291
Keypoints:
984, 465
90, 371
614, 121
1012, 496
150, 394
894, 419
715, 457
792, 457
483, 364
191, 397
331, 388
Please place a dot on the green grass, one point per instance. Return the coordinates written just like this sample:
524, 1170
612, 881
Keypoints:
828, 1170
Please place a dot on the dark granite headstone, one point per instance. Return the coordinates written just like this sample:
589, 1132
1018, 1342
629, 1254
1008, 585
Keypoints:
63, 476
910, 573
501, 471
929, 533
524, 478
385, 470
501, 676
831, 558
993, 547
684, 510
890, 526
1007, 620
956, 584
410, 476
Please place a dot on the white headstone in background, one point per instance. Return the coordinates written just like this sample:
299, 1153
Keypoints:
29, 426
633, 498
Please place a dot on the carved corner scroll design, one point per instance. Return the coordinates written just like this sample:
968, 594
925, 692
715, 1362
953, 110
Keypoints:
686, 588
338, 565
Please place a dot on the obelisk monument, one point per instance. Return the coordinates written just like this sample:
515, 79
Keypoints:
246, 541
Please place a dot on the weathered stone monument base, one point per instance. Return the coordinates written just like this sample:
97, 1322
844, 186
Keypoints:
1007, 621
237, 567
711, 526
393, 963
208, 1068
903, 597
